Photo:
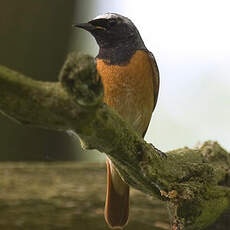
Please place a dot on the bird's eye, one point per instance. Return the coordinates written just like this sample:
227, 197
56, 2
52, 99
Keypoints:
112, 22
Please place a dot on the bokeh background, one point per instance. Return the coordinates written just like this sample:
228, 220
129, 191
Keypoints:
190, 40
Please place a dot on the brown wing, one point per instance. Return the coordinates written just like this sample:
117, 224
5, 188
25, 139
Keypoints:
156, 81
156, 78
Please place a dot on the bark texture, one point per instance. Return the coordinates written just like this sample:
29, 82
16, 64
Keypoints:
195, 182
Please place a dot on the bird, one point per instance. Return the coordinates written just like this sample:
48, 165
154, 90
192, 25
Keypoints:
130, 77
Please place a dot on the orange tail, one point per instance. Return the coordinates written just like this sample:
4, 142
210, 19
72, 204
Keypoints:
117, 199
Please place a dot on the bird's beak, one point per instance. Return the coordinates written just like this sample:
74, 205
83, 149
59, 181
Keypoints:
89, 27
85, 26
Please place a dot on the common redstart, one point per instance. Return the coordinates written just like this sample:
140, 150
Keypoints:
130, 78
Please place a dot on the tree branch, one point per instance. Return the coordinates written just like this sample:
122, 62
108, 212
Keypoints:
194, 181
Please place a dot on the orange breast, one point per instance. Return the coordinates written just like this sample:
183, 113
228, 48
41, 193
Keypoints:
129, 89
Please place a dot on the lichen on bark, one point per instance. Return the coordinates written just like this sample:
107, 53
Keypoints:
192, 180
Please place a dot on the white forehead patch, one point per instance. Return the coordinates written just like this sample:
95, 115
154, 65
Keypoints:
106, 16
114, 15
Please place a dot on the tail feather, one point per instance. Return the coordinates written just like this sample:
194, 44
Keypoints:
117, 199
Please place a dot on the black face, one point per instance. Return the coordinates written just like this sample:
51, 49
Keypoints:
117, 37
110, 32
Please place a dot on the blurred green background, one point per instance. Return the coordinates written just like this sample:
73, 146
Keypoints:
189, 40
34, 40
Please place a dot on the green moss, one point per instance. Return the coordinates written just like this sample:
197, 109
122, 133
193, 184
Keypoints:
76, 104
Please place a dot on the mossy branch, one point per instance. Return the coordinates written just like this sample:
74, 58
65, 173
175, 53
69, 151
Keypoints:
193, 181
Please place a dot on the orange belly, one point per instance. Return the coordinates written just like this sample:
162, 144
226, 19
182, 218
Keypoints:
129, 89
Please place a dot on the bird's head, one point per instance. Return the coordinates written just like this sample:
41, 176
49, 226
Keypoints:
111, 30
